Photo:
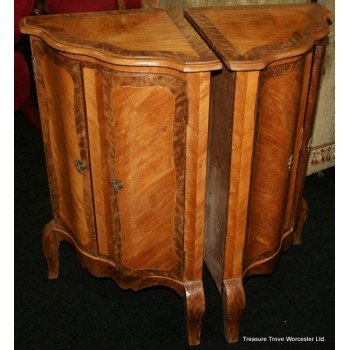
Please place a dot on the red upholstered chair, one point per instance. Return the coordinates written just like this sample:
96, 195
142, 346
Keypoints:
22, 77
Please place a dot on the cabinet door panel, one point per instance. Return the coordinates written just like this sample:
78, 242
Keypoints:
63, 122
144, 163
278, 111
291, 218
145, 133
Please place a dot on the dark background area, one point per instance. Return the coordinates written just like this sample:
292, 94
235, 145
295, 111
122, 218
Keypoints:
79, 311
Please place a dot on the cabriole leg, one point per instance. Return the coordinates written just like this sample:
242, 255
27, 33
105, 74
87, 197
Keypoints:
51, 246
194, 310
233, 299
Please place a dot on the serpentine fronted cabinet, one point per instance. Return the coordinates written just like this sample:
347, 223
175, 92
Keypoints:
124, 121
261, 115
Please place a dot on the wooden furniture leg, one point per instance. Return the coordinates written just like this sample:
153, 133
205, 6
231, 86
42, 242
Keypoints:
194, 310
233, 299
51, 244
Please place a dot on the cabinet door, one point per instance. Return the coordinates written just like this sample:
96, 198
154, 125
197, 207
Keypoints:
59, 88
291, 215
138, 168
279, 101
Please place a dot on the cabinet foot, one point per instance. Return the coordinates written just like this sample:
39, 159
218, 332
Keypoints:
299, 230
233, 299
194, 310
51, 249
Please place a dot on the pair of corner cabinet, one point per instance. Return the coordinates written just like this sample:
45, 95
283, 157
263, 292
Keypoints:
160, 156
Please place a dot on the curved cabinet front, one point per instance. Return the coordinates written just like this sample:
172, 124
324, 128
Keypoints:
126, 156
140, 133
280, 100
60, 96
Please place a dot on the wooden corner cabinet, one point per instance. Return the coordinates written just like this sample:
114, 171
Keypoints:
124, 104
261, 115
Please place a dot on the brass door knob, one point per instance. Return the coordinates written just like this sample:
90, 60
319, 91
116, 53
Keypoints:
117, 185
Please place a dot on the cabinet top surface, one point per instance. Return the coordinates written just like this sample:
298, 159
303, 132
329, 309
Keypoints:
251, 37
160, 38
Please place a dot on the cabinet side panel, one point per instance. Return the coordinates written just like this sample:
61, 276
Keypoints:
279, 98
243, 135
144, 162
218, 170
61, 107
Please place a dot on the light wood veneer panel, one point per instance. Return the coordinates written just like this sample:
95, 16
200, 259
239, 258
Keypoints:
196, 147
65, 148
144, 163
252, 37
279, 99
152, 165
151, 38
58, 91
241, 170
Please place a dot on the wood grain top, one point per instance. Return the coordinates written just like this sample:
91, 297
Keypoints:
153, 37
251, 37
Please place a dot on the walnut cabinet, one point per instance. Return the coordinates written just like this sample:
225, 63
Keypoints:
261, 116
124, 104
